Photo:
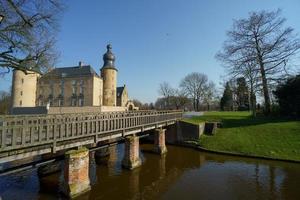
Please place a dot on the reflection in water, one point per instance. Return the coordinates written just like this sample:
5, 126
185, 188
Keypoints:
93, 168
180, 174
134, 183
162, 166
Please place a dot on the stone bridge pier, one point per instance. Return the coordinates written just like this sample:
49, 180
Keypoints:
159, 141
76, 172
132, 158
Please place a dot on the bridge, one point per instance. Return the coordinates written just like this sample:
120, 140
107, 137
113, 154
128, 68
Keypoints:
25, 136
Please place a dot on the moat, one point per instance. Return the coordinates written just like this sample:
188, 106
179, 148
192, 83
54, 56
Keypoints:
181, 174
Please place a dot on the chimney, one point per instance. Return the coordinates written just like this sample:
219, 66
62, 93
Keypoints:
80, 64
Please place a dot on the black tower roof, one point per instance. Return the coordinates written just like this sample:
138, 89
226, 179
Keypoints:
109, 59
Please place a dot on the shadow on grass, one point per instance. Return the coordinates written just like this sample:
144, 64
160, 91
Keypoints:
250, 121
230, 121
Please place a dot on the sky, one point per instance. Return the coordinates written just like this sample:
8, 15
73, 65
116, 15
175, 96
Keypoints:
155, 40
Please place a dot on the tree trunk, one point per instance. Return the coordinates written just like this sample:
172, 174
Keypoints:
264, 79
265, 90
252, 98
253, 104
194, 104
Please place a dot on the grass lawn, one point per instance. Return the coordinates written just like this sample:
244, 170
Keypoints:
271, 137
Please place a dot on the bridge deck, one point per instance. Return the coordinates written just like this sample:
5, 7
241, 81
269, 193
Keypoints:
29, 135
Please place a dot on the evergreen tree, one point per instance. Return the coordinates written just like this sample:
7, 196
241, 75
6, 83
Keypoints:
226, 100
288, 97
242, 94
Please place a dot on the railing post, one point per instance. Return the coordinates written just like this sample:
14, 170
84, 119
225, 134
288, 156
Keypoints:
23, 132
3, 138
13, 141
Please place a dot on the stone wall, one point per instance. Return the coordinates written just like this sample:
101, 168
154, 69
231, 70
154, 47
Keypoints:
64, 110
171, 133
85, 109
113, 108
184, 131
97, 91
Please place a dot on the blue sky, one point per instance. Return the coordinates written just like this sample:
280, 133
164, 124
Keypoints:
155, 40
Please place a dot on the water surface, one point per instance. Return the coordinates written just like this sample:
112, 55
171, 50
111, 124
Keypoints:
181, 174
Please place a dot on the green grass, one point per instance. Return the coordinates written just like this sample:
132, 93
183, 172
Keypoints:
261, 136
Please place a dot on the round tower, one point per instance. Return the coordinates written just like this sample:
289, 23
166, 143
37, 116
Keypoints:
24, 89
109, 76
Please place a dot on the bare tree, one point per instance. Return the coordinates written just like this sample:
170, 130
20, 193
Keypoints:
5, 100
167, 92
209, 94
27, 34
160, 103
251, 75
179, 100
194, 86
260, 39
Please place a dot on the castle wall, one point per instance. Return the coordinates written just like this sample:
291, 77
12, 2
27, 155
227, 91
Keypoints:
97, 91
24, 89
88, 92
77, 91
85, 109
123, 99
109, 87
66, 110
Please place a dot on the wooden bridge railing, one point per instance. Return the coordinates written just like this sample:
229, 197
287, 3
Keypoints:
24, 131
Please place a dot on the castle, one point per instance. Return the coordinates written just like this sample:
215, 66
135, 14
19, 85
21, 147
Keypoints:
70, 90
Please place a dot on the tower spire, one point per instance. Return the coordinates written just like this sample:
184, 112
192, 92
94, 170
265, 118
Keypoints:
109, 58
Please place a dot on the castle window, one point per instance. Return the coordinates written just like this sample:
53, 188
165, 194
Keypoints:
21, 103
21, 93
62, 89
74, 87
60, 102
81, 102
51, 88
22, 80
73, 102
81, 87
50, 99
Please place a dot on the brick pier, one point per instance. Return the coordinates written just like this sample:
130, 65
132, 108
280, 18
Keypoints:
76, 172
131, 158
159, 141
